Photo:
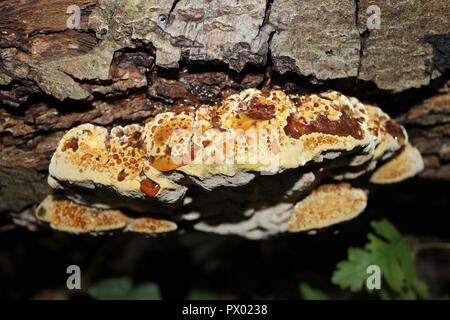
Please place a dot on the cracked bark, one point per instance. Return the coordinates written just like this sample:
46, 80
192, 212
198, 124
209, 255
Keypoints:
133, 59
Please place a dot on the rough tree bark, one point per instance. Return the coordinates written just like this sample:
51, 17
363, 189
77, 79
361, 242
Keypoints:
129, 60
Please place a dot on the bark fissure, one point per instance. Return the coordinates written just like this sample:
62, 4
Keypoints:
174, 4
266, 16
362, 38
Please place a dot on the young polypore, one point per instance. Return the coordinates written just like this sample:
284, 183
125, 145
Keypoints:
66, 215
251, 139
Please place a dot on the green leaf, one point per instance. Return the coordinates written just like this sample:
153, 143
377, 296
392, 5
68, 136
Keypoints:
123, 289
309, 293
352, 273
386, 256
421, 289
408, 295
388, 250
386, 295
146, 291
393, 257
112, 289
386, 229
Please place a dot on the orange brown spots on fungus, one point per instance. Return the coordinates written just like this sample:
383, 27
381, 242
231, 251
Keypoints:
164, 163
162, 134
150, 225
265, 93
345, 126
206, 143
71, 144
327, 205
88, 132
181, 108
260, 111
149, 187
72, 217
396, 131
86, 157
215, 121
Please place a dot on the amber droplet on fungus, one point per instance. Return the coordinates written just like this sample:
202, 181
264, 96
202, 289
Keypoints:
149, 187
121, 176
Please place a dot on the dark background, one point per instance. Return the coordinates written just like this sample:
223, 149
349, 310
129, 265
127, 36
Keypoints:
33, 264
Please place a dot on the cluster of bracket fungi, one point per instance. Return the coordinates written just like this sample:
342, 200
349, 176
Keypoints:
181, 169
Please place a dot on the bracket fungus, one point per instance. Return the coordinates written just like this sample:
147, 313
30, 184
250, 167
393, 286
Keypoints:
251, 165
69, 216
65, 215
150, 225
329, 204
404, 165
